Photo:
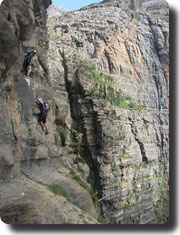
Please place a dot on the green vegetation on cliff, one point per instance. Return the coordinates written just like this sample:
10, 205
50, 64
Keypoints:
103, 88
58, 190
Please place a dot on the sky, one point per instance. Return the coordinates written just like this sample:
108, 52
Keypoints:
73, 4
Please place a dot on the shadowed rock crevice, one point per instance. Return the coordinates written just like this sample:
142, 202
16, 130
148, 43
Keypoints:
85, 120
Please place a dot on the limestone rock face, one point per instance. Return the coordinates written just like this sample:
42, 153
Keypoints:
104, 71
55, 11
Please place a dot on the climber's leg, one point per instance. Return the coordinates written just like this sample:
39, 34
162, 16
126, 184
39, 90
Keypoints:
28, 70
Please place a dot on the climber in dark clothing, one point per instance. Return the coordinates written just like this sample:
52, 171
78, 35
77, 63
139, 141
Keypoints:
43, 113
28, 65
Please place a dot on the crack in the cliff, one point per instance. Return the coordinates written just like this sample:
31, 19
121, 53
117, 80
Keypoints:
86, 122
158, 87
141, 145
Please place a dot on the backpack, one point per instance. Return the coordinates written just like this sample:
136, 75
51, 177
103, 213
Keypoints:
46, 106
27, 58
26, 54
26, 51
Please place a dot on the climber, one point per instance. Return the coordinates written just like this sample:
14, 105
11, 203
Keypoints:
28, 65
43, 113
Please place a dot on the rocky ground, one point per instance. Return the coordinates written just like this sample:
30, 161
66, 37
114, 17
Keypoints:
104, 70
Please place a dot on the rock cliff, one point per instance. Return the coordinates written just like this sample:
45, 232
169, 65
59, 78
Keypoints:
104, 70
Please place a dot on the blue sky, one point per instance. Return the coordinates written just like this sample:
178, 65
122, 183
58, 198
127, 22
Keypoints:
73, 4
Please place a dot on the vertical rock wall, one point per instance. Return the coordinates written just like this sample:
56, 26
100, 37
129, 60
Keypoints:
104, 70
37, 185
125, 145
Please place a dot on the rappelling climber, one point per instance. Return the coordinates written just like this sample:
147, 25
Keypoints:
28, 65
44, 108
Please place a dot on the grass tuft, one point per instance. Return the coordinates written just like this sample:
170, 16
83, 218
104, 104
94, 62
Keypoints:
58, 190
